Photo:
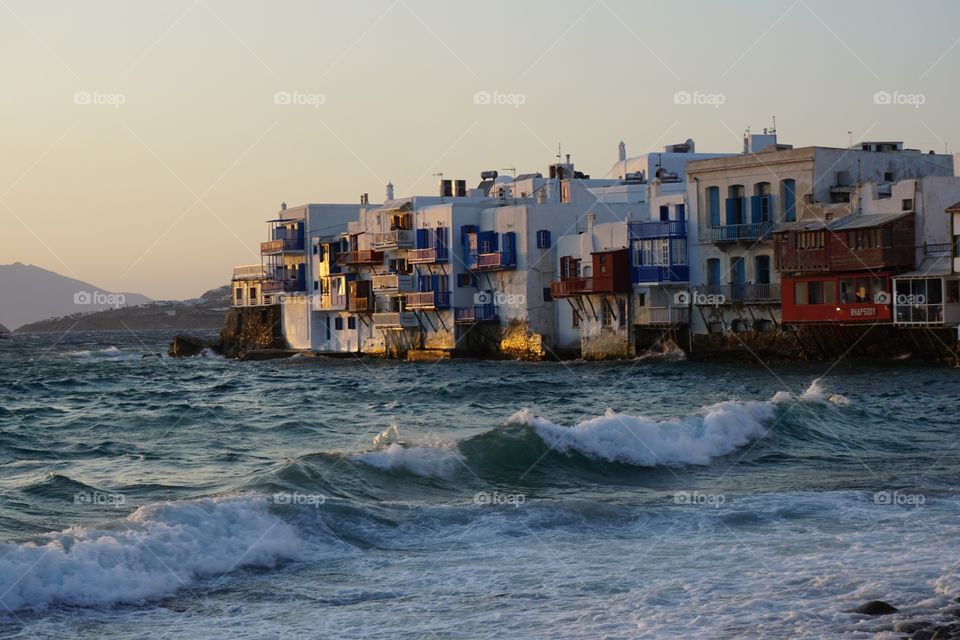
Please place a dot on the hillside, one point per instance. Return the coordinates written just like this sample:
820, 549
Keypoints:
3, 329
205, 312
30, 294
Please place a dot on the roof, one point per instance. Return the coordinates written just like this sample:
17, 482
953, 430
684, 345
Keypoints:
954, 208
930, 268
856, 221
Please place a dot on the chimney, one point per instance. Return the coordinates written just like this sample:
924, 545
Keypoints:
364, 198
591, 220
390, 191
622, 151
283, 206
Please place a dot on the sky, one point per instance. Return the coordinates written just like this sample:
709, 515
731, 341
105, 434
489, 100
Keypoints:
145, 143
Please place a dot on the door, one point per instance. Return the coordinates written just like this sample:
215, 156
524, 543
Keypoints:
739, 269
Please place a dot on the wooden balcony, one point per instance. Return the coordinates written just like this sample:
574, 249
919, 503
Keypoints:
434, 255
476, 314
250, 272
287, 245
394, 320
392, 283
428, 300
361, 257
396, 239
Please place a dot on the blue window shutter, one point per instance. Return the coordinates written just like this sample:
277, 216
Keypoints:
789, 200
732, 210
422, 242
664, 213
755, 209
681, 212
714, 198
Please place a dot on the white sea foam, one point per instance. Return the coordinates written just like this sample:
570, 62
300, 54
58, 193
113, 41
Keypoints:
160, 548
715, 431
108, 352
429, 461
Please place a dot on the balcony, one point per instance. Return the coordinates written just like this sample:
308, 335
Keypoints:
283, 245
283, 286
428, 300
655, 274
249, 272
394, 320
359, 258
711, 295
498, 260
392, 283
399, 238
740, 232
664, 316
434, 255
473, 315
658, 229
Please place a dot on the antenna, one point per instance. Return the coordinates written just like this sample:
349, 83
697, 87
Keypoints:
511, 169
774, 130
559, 153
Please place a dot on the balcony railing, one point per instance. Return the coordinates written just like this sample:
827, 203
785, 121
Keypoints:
360, 305
936, 249
658, 229
283, 286
393, 239
711, 295
428, 300
392, 282
428, 256
361, 257
662, 316
740, 232
330, 302
470, 315
661, 273
496, 260
394, 320
249, 272
282, 245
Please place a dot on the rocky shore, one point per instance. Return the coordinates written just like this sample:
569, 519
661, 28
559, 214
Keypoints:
908, 624
247, 334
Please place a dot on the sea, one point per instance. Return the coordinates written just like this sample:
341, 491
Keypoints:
143, 496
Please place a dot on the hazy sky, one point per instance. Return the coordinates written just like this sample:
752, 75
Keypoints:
143, 146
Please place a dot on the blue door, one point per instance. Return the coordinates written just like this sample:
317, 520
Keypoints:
713, 274
739, 278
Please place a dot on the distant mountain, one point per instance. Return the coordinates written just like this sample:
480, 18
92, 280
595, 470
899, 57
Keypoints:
205, 312
29, 293
3, 329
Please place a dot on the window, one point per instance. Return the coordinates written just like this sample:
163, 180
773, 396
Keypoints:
664, 212
622, 312
239, 294
678, 251
713, 271
338, 323
907, 204
546, 295
603, 262
888, 176
575, 319
800, 293
543, 239
253, 295
956, 246
713, 205
789, 200
735, 205
466, 280
351, 322
316, 285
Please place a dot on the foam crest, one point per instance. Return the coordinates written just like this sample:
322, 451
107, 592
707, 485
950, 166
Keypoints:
429, 462
160, 549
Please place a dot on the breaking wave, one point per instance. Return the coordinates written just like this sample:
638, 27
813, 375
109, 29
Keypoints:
154, 552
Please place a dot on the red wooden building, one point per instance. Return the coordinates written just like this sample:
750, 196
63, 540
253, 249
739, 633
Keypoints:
839, 270
608, 273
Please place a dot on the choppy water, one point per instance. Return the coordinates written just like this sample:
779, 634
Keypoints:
205, 498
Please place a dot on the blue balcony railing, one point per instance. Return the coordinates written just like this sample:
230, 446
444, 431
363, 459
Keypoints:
481, 313
658, 229
741, 232
661, 273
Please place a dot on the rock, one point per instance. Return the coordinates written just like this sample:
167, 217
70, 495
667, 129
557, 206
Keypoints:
923, 634
875, 608
911, 626
185, 346
949, 632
